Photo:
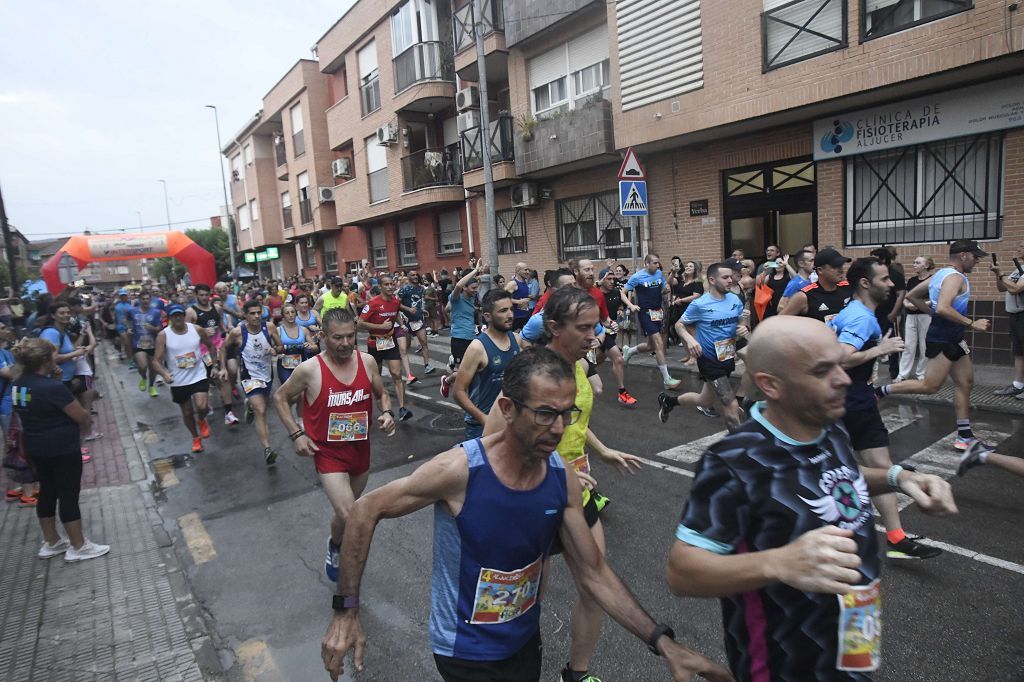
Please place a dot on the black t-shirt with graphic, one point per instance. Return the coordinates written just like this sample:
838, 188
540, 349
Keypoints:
40, 402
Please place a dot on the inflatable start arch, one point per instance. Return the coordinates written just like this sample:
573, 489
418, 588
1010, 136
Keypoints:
86, 249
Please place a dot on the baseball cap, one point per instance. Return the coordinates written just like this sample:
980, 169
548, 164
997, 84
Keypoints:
732, 264
830, 257
175, 309
604, 273
966, 246
122, 292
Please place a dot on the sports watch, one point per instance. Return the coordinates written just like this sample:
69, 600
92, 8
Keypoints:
652, 641
341, 602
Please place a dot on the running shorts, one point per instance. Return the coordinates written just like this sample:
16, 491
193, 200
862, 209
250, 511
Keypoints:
648, 326
330, 459
521, 666
716, 374
590, 512
459, 347
76, 385
609, 341
1017, 334
182, 394
147, 351
381, 355
951, 350
866, 429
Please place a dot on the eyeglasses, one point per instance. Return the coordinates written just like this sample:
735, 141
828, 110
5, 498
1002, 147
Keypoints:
547, 417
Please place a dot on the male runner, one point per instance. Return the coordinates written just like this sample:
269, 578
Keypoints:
204, 315
947, 294
463, 321
650, 287
182, 343
335, 297
583, 271
256, 341
608, 289
478, 382
778, 520
823, 299
709, 328
410, 298
380, 317
805, 268
336, 387
122, 321
521, 297
146, 324
486, 597
862, 342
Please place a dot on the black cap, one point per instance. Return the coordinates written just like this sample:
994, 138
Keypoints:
830, 257
732, 264
966, 246
340, 281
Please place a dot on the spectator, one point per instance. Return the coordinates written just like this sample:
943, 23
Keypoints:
913, 361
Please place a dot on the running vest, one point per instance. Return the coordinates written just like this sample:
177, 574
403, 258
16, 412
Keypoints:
485, 598
339, 417
332, 301
942, 330
308, 322
486, 385
256, 353
208, 320
574, 438
184, 359
294, 348
824, 305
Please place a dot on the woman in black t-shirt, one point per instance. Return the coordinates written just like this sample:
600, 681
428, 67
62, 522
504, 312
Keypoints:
686, 287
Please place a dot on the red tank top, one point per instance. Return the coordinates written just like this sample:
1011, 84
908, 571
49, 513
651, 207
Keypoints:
339, 418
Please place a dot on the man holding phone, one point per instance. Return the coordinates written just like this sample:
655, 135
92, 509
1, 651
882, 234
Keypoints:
1013, 287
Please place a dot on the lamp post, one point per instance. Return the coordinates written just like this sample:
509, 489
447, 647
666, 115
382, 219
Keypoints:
167, 208
224, 185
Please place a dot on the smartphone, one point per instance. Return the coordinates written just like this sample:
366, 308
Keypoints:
995, 261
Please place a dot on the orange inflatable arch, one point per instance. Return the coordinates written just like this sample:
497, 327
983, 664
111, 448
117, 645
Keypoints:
86, 249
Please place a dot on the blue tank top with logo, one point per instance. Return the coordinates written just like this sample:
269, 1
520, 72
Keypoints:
485, 597
942, 330
486, 385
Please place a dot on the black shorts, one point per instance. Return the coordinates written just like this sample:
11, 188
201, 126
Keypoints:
382, 355
522, 666
459, 347
951, 350
231, 353
147, 351
709, 369
181, 394
77, 385
590, 513
609, 341
1017, 333
866, 429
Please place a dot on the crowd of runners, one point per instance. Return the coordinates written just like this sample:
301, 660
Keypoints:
778, 523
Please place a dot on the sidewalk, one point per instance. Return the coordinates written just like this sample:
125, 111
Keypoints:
122, 616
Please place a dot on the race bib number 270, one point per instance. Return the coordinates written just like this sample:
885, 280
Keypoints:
502, 596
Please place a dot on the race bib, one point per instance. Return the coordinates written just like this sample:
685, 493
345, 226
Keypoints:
964, 347
384, 342
502, 596
290, 361
725, 349
656, 314
829, 318
860, 628
145, 343
581, 464
416, 326
250, 385
186, 361
207, 359
348, 426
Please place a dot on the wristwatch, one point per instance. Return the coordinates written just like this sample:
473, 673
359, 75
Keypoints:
661, 630
388, 412
341, 603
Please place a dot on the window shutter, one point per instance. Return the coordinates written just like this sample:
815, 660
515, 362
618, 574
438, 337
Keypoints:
296, 116
660, 50
588, 49
873, 5
828, 20
367, 58
547, 67
376, 155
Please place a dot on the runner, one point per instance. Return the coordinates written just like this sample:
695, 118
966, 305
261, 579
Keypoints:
146, 324
123, 310
205, 315
805, 268
478, 382
410, 298
583, 272
299, 345
257, 342
380, 318
476, 488
947, 294
650, 287
335, 297
778, 520
305, 316
463, 321
709, 328
862, 342
182, 343
334, 390
822, 300
522, 298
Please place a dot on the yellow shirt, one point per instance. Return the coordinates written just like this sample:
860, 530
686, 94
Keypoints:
332, 301
572, 447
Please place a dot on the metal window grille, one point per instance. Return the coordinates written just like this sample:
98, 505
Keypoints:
592, 227
511, 224
802, 29
882, 17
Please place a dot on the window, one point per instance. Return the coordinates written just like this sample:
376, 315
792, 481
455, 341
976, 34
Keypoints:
286, 209
298, 139
407, 243
414, 43
581, 62
121, 270
511, 231
247, 153
330, 254
369, 83
794, 30
310, 247
550, 95
305, 201
591, 80
591, 227
236, 168
379, 247
377, 169
254, 210
881, 17
243, 217
940, 191
449, 233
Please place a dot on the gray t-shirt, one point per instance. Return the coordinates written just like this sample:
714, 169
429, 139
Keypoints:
1015, 302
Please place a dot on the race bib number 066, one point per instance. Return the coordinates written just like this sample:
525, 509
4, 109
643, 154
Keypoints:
502, 596
860, 628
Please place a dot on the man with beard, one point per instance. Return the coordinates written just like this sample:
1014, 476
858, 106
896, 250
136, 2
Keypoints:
651, 287
410, 298
380, 317
822, 300
583, 270
205, 316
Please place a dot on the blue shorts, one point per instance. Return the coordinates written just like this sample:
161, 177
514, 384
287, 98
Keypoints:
474, 431
647, 325
121, 329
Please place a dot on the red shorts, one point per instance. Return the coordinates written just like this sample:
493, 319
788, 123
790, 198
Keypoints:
332, 459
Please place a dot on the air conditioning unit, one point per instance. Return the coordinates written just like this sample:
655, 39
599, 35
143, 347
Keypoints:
387, 134
467, 98
524, 195
324, 194
469, 119
342, 168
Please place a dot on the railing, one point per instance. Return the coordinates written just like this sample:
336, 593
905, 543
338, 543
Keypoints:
432, 168
423, 61
279, 152
501, 143
369, 95
462, 23
306, 211
378, 185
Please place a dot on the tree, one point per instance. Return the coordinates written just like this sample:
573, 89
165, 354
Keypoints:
213, 239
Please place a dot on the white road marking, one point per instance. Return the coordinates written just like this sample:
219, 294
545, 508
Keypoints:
667, 467
431, 399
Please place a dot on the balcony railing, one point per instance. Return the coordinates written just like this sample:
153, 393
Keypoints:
501, 143
463, 19
279, 153
432, 168
369, 95
306, 211
422, 62
378, 185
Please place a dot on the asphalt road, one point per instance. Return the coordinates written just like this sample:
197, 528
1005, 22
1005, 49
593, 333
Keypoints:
252, 541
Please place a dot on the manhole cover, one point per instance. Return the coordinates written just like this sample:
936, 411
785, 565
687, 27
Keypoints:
448, 421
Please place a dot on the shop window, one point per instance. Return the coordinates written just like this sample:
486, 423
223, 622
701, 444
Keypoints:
794, 30
591, 227
935, 192
882, 17
511, 231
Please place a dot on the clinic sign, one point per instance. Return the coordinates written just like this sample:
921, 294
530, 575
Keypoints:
998, 105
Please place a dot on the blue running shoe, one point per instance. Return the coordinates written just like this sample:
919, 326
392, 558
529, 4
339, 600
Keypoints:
333, 561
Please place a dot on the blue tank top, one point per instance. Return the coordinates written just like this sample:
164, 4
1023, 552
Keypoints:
292, 345
311, 322
522, 291
942, 330
486, 385
485, 597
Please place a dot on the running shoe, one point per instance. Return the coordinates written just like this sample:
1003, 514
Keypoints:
88, 550
672, 384
230, 419
48, 551
428, 369
153, 393
28, 501
143, 384
204, 428
159, 381
197, 445
709, 412
626, 400
333, 561
909, 548
664, 406
1009, 390
600, 501
269, 456
962, 444
627, 354
13, 494
411, 379
131, 366
249, 416
93, 436
572, 676
404, 414
972, 457
209, 411
446, 386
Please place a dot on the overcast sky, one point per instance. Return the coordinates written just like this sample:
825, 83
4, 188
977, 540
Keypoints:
101, 99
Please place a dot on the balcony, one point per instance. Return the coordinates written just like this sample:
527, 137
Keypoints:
463, 19
574, 139
281, 159
432, 168
502, 147
379, 187
528, 18
423, 62
495, 53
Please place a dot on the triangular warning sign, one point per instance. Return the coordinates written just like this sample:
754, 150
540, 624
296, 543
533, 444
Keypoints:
634, 201
631, 168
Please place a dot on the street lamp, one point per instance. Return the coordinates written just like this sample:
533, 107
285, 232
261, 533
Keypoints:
224, 185
167, 207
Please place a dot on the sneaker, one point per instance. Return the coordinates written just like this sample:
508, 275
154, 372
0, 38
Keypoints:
204, 428
95, 435
143, 384
709, 412
428, 369
962, 444
672, 384
899, 379
664, 407
446, 386
333, 561
48, 551
209, 411
908, 548
27, 501
600, 501
404, 414
230, 419
153, 393
88, 550
197, 445
627, 354
159, 381
411, 379
1009, 390
626, 400
131, 366
248, 415
972, 457
571, 676
269, 456
13, 494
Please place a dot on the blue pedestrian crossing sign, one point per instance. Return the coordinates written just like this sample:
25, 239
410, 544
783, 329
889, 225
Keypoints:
633, 197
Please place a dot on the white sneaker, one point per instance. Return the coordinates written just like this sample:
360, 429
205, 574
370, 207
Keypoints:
48, 551
88, 550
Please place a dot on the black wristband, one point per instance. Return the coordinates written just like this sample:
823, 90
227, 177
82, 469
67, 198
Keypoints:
295, 435
388, 412
661, 630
